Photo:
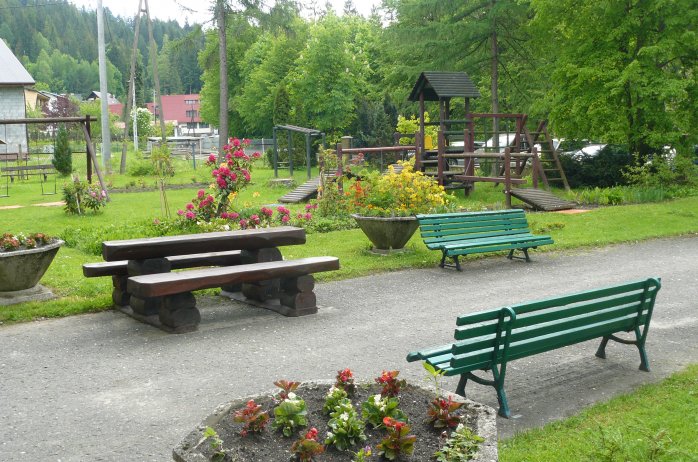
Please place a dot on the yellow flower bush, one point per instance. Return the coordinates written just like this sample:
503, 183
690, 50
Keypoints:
398, 194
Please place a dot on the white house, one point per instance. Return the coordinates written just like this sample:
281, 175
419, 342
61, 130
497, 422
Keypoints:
13, 78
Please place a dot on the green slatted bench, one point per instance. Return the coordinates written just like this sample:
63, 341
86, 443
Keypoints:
488, 340
456, 234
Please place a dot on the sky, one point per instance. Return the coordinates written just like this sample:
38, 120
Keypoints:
171, 9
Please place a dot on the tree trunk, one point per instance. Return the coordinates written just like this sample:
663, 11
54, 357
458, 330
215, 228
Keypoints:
223, 73
495, 90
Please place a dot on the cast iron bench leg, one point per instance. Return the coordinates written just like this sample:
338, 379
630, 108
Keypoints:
462, 383
601, 352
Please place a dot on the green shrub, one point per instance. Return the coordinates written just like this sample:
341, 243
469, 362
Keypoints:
141, 167
62, 154
79, 197
603, 170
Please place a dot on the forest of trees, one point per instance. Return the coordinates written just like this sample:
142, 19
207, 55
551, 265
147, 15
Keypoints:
57, 43
623, 72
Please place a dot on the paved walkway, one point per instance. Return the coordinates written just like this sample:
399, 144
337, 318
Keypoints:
103, 387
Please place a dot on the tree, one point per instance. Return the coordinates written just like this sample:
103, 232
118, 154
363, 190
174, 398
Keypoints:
624, 72
62, 154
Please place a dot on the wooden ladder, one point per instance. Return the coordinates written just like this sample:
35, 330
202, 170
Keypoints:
550, 166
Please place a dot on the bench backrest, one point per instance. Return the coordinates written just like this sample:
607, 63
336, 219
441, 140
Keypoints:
517, 331
448, 227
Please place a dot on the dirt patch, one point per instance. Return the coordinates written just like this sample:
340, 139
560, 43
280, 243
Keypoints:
272, 446
573, 211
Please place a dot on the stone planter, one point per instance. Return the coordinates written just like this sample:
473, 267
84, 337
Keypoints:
21, 270
386, 233
483, 421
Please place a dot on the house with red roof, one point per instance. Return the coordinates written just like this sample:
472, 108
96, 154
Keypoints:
184, 112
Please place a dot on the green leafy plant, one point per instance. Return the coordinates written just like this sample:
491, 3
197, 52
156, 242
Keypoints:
81, 196
287, 387
289, 414
333, 398
346, 429
461, 446
62, 154
391, 385
362, 455
307, 446
441, 410
345, 380
253, 418
398, 441
216, 444
377, 407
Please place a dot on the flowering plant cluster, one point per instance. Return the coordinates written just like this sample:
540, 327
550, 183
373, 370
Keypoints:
253, 418
233, 174
307, 446
398, 441
402, 193
441, 412
391, 385
10, 242
346, 427
81, 196
345, 380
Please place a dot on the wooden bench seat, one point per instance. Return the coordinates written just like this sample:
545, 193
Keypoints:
488, 340
120, 268
178, 310
456, 234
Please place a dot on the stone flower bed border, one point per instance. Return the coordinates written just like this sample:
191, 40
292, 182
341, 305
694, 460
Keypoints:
189, 448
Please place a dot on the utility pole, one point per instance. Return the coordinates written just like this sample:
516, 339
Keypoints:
223, 74
104, 92
156, 77
132, 94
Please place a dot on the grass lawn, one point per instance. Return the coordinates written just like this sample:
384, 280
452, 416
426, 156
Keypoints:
657, 422
601, 226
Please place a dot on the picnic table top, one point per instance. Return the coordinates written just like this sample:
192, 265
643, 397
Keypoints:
167, 246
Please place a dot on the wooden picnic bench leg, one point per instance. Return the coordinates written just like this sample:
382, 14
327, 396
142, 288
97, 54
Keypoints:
119, 294
297, 296
261, 291
179, 313
147, 306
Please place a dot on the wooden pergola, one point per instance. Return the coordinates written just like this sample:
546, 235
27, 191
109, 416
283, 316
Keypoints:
290, 129
84, 123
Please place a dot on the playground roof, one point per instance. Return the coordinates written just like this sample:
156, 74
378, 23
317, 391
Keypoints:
304, 130
437, 85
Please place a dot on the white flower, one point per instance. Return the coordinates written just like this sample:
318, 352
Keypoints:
344, 416
292, 396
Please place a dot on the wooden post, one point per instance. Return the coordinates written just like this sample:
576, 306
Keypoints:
290, 153
535, 161
340, 169
88, 146
440, 158
418, 152
321, 169
307, 154
91, 153
507, 176
276, 153
421, 116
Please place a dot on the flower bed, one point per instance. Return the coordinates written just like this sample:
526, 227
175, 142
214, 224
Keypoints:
220, 437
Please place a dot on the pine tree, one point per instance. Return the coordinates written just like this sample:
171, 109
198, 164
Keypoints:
62, 154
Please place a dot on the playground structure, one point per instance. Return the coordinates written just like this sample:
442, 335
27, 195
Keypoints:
290, 130
506, 147
84, 123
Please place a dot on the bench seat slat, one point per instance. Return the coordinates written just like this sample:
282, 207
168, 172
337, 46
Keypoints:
459, 240
494, 248
120, 268
162, 284
473, 233
514, 238
474, 215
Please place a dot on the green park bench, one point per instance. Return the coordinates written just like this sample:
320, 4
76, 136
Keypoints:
488, 340
456, 234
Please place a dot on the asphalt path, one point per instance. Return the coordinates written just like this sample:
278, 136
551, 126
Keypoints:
104, 387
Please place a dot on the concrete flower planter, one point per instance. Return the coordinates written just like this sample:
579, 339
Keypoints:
387, 233
193, 448
21, 270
